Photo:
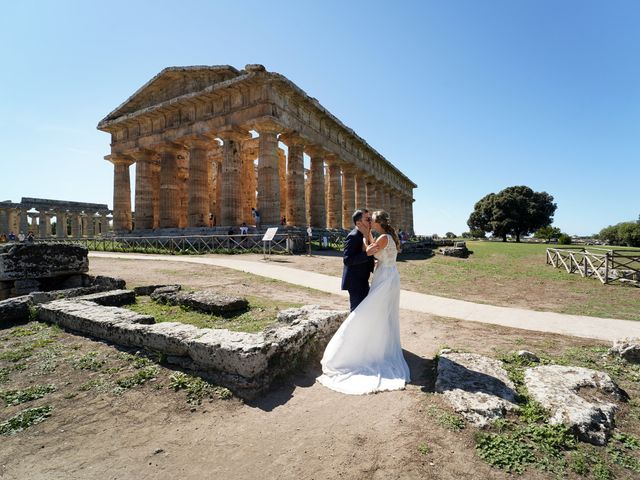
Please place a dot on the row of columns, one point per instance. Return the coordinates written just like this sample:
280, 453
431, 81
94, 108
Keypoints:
183, 183
82, 224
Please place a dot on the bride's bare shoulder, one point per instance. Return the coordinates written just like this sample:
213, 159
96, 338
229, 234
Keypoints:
382, 241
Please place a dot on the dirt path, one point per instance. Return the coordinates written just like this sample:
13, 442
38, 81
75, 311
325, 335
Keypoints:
297, 430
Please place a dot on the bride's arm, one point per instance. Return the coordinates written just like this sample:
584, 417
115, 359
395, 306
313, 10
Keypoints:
382, 242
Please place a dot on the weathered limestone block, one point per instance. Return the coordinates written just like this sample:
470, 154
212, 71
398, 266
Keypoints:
111, 298
206, 301
170, 338
628, 348
161, 293
149, 289
244, 354
528, 356
41, 260
476, 386
575, 397
15, 309
108, 323
44, 297
25, 286
247, 363
109, 283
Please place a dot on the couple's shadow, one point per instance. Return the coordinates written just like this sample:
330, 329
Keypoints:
422, 371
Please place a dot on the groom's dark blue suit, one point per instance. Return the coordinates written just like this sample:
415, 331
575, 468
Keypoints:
357, 268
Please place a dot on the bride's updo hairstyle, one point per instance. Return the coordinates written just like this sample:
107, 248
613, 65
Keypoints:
382, 218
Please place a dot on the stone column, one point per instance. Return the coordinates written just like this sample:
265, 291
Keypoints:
121, 191
231, 209
317, 208
361, 191
61, 224
386, 202
295, 180
169, 186
183, 193
24, 222
282, 182
248, 179
145, 160
334, 193
409, 214
370, 193
348, 196
4, 221
43, 221
379, 196
104, 224
268, 200
91, 225
395, 210
85, 224
76, 225
199, 180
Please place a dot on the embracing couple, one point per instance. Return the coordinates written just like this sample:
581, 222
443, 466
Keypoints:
365, 356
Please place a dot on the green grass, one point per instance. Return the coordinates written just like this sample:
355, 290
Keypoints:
16, 397
507, 273
25, 419
261, 314
197, 389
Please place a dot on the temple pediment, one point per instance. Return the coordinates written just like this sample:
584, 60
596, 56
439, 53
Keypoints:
172, 82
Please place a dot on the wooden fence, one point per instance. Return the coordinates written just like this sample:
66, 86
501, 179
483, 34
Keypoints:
607, 265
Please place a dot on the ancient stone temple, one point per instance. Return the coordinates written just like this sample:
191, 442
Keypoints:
208, 146
75, 219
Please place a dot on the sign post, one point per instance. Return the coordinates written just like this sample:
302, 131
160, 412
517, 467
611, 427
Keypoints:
267, 238
310, 233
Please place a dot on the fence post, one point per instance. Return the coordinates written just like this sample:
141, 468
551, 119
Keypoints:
606, 268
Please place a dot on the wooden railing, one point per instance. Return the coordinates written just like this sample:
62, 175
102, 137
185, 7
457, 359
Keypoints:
607, 265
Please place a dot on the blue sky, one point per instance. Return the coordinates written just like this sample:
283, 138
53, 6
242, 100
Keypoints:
466, 97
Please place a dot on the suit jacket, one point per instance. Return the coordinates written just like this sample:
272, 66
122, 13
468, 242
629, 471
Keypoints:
357, 264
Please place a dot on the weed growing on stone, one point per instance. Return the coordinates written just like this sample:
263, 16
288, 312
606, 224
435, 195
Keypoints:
91, 384
196, 388
16, 397
25, 419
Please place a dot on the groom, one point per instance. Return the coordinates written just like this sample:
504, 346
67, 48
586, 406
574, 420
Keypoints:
358, 262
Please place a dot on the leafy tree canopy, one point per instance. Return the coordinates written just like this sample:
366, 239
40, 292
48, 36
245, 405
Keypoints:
513, 211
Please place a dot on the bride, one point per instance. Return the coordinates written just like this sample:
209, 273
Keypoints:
365, 356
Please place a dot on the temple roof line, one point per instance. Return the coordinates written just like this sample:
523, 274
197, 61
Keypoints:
241, 76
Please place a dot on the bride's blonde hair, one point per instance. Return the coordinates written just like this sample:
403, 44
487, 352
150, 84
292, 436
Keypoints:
382, 217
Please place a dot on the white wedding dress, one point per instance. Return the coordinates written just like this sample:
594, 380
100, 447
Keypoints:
365, 356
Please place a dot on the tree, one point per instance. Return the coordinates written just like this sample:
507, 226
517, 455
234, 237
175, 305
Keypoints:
564, 239
513, 211
467, 235
450, 235
625, 233
547, 233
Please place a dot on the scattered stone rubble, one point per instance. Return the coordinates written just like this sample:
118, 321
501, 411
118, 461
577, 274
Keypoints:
476, 386
480, 390
580, 398
628, 349
459, 250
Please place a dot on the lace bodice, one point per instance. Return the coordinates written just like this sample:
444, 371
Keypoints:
387, 256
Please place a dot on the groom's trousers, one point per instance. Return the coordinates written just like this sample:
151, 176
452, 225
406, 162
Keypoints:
356, 295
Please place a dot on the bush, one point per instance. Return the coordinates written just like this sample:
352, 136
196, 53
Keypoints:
564, 239
625, 233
